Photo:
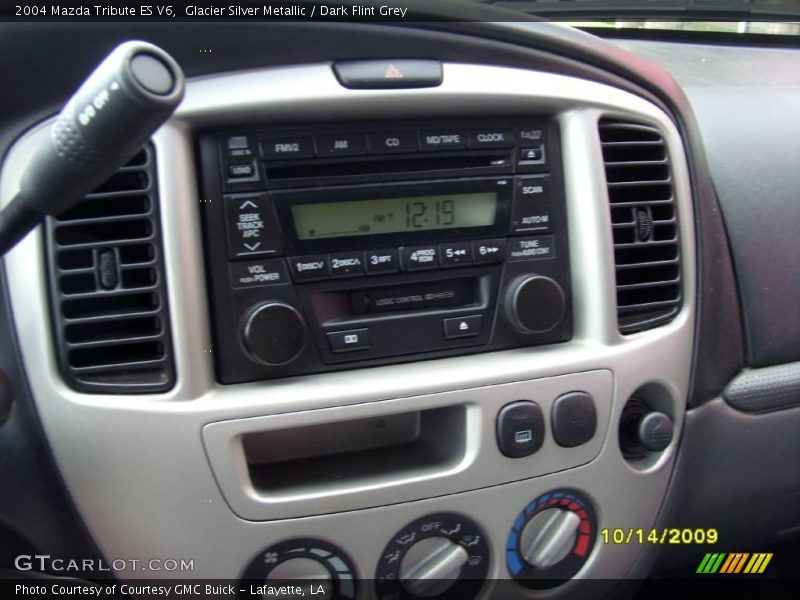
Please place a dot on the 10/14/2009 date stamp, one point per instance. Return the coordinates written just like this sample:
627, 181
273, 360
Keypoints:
671, 535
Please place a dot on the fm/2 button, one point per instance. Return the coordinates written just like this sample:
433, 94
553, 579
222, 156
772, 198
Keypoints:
520, 428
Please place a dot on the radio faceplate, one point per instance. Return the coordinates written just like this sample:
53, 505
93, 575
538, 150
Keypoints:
332, 248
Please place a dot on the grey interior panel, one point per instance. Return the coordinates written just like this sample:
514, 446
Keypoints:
747, 102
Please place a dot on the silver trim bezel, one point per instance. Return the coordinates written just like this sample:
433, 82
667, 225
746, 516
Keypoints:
136, 466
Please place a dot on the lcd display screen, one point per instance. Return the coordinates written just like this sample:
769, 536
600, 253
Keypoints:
394, 215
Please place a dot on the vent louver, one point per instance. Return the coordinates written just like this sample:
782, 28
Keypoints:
644, 223
108, 296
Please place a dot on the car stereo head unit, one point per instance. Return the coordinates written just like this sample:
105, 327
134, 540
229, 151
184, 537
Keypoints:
373, 243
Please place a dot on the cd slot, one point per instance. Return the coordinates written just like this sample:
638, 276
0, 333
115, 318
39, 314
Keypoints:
484, 162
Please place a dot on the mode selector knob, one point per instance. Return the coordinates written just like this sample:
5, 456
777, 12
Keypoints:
533, 303
431, 566
549, 537
273, 333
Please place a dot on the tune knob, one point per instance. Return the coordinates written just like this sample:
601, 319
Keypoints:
533, 303
431, 566
549, 537
273, 333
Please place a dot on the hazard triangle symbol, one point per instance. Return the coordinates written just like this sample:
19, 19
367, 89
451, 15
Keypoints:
393, 72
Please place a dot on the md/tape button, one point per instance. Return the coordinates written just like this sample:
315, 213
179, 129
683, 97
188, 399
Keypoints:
348, 341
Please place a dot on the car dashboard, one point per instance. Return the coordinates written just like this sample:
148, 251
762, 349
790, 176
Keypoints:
412, 311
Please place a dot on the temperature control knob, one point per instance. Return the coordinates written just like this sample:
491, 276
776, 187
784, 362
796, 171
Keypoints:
273, 333
431, 566
551, 539
548, 537
533, 303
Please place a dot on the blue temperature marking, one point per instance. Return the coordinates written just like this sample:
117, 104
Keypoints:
514, 565
519, 522
543, 499
512, 540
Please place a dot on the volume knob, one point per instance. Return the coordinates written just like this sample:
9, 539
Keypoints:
273, 333
533, 303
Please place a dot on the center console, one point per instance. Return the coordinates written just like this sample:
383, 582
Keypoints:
334, 247
412, 344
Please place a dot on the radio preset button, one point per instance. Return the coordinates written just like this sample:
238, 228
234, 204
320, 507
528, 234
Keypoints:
489, 251
532, 248
347, 341
491, 138
532, 205
460, 327
287, 148
257, 273
344, 144
346, 264
417, 258
309, 268
382, 261
386, 142
453, 139
456, 254
252, 228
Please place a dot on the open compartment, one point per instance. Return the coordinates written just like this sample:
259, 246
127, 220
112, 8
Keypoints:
327, 457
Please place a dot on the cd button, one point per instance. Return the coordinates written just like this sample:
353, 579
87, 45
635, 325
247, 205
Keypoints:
416, 258
490, 251
460, 327
385, 142
347, 264
382, 261
456, 254
309, 268
345, 144
347, 341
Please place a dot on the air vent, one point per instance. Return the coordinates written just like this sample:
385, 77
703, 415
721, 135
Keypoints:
644, 223
107, 286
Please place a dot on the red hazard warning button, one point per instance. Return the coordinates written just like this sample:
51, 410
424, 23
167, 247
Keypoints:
377, 74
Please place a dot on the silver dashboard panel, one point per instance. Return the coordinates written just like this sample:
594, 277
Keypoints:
136, 466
